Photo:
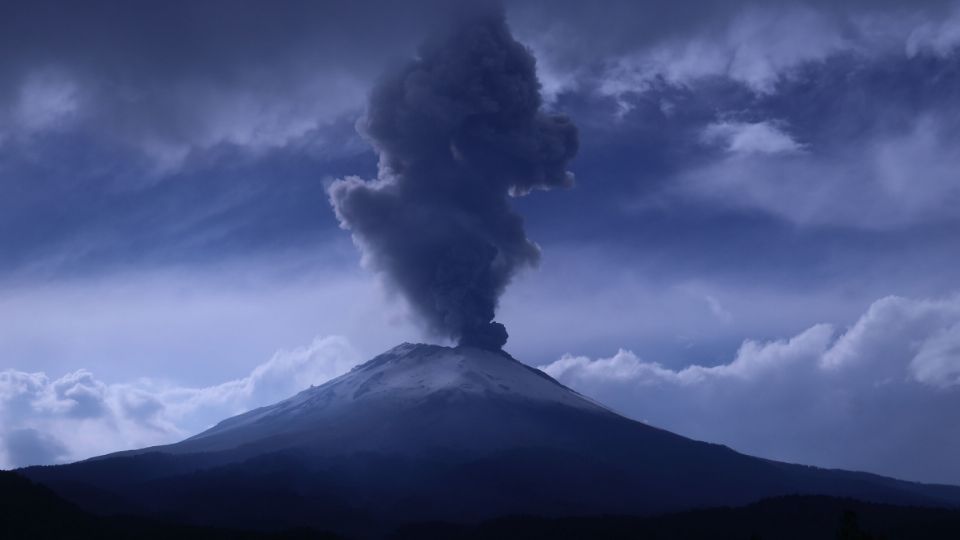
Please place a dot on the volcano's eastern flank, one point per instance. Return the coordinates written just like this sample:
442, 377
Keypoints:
459, 130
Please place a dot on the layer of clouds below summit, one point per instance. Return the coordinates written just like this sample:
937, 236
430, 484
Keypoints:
77, 415
860, 397
880, 396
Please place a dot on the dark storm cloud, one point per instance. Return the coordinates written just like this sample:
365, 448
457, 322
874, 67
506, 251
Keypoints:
167, 79
239, 104
150, 131
837, 109
171, 77
459, 130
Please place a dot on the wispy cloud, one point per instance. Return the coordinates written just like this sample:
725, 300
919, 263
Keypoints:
887, 179
762, 137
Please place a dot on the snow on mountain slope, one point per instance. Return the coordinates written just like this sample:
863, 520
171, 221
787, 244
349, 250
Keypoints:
409, 376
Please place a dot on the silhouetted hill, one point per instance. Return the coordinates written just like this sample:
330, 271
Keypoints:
782, 518
32, 512
29, 511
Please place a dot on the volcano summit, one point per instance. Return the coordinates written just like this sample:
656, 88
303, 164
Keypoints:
424, 432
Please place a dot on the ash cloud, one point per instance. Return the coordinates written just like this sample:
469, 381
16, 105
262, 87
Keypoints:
459, 130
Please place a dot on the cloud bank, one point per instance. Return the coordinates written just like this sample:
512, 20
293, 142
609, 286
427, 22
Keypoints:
76, 416
880, 396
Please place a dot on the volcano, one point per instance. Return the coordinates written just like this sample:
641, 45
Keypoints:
426, 433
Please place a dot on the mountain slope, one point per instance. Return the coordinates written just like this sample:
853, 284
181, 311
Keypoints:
425, 432
428, 391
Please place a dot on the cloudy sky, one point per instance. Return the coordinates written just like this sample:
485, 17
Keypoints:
760, 249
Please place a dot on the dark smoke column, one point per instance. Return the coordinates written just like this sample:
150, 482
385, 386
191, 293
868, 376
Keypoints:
459, 131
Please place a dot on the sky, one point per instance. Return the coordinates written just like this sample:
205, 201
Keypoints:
760, 248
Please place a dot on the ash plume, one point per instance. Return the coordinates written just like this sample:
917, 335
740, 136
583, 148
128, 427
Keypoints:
459, 130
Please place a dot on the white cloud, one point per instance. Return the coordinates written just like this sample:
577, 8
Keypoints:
884, 181
938, 360
751, 138
78, 416
881, 396
757, 46
717, 308
166, 126
250, 117
635, 302
939, 36
896, 170
47, 98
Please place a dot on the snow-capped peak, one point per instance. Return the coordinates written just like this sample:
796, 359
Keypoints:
410, 374
412, 370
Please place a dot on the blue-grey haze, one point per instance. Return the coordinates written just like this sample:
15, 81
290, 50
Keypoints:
746, 171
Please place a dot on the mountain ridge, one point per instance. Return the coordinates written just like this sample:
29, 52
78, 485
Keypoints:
425, 432
404, 376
